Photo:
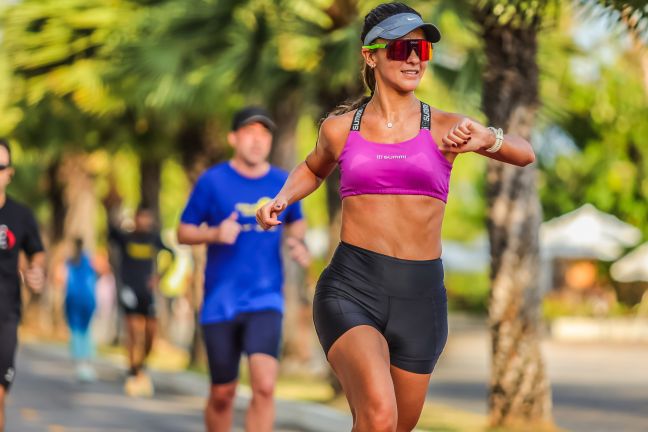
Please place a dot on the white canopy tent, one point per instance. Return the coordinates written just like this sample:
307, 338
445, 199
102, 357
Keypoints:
587, 233
632, 267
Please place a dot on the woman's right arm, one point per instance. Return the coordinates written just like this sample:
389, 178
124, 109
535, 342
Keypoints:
307, 176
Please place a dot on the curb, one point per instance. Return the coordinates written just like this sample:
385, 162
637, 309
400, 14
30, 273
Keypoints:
626, 330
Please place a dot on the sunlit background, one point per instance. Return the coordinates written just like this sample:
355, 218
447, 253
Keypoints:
113, 103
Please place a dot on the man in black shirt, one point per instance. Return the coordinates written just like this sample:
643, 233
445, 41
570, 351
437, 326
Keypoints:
138, 277
18, 231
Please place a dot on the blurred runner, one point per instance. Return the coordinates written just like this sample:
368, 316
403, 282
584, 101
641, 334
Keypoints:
138, 252
243, 303
80, 305
18, 231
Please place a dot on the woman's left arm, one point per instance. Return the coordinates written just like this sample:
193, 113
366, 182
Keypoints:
468, 135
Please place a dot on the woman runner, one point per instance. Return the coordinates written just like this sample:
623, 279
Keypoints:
380, 307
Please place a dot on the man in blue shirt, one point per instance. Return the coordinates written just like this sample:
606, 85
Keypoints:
243, 301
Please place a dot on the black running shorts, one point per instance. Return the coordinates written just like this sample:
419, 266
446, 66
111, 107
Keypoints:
248, 332
137, 300
404, 300
8, 343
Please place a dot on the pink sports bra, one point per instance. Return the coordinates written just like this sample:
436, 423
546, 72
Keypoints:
412, 167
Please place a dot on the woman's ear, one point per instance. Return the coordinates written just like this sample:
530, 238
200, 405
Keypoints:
369, 57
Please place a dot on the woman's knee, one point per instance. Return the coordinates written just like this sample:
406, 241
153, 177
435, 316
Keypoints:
407, 421
376, 415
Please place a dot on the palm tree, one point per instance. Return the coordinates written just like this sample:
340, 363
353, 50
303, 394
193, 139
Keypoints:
52, 55
633, 15
59, 53
519, 388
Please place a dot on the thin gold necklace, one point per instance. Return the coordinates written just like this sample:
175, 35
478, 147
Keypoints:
388, 124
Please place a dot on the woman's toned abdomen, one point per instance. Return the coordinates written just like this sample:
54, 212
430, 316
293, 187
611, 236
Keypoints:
401, 226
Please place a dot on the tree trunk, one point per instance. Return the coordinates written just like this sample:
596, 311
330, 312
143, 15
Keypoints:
43, 309
285, 113
200, 146
55, 195
150, 173
74, 210
519, 389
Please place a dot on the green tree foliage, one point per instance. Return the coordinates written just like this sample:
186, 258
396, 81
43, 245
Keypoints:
606, 118
634, 13
55, 47
56, 52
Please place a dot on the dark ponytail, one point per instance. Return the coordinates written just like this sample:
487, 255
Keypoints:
377, 14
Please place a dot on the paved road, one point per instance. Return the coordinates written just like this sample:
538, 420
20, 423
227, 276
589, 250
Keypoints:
596, 387
47, 398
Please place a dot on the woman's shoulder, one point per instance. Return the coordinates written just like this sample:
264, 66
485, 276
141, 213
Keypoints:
338, 122
335, 127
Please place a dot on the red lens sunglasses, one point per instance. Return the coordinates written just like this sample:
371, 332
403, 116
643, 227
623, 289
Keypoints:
400, 49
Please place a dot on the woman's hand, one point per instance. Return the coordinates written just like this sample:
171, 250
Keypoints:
467, 136
268, 215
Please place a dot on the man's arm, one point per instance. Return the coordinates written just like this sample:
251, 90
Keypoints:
295, 234
114, 233
193, 228
112, 204
225, 233
296, 230
190, 234
32, 245
35, 274
161, 246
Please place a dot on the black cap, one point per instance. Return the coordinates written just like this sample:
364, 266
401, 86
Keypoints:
252, 114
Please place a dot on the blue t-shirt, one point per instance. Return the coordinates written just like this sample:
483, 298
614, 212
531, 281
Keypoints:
246, 276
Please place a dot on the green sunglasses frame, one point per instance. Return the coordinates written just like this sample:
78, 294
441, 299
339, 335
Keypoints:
375, 46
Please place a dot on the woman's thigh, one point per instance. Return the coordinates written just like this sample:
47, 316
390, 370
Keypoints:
410, 390
360, 359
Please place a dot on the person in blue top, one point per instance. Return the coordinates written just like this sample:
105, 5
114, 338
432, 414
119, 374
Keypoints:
243, 301
80, 305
